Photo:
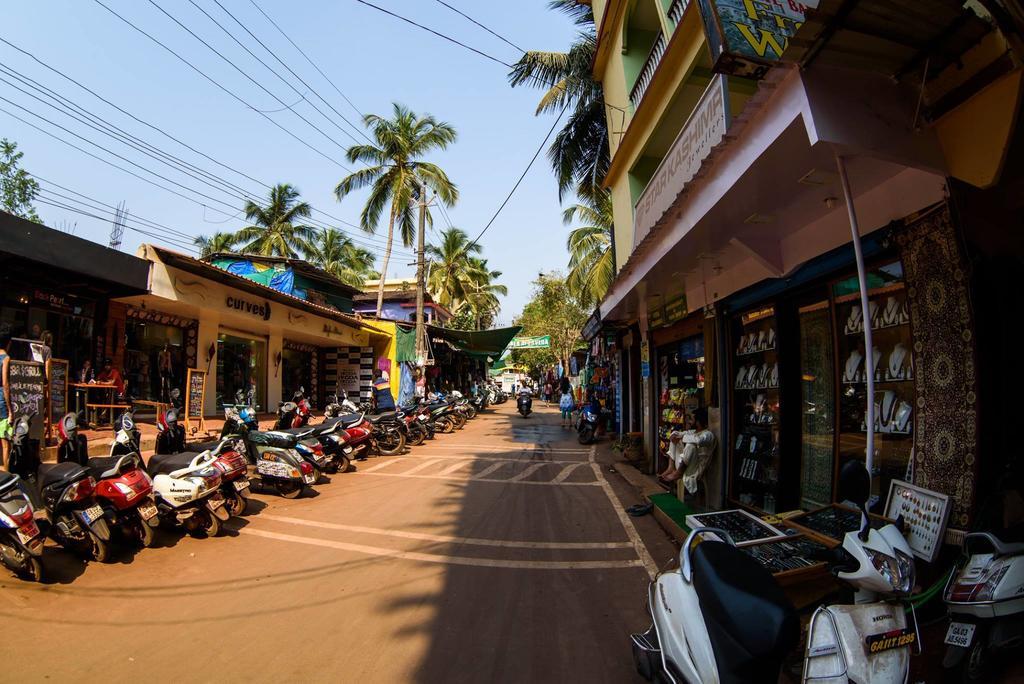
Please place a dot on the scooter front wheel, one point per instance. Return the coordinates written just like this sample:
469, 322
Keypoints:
344, 465
32, 570
143, 533
586, 435
416, 437
237, 504
99, 550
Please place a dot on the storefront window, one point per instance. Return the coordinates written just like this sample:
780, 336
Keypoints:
817, 414
296, 372
154, 359
895, 396
241, 366
680, 386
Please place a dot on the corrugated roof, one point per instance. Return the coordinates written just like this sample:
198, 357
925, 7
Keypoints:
201, 268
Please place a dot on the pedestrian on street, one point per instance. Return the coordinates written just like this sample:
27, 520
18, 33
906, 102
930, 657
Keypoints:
565, 403
5, 403
547, 394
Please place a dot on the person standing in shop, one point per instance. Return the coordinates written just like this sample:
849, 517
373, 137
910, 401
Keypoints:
165, 369
5, 403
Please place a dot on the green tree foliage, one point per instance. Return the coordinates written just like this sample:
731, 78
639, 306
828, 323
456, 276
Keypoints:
395, 174
462, 282
276, 229
335, 253
591, 268
553, 310
216, 243
17, 187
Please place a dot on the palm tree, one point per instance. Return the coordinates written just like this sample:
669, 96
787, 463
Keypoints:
591, 264
218, 242
451, 268
482, 297
335, 253
396, 174
275, 229
579, 153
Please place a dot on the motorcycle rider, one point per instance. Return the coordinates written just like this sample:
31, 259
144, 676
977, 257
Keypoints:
383, 400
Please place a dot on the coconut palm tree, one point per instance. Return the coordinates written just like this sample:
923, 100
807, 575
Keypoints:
334, 252
579, 153
591, 264
483, 292
396, 174
451, 268
218, 242
276, 229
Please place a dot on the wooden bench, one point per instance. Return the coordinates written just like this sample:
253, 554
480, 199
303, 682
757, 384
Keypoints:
109, 407
159, 407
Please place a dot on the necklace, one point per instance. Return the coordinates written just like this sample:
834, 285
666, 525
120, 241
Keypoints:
891, 314
854, 323
852, 372
901, 421
896, 358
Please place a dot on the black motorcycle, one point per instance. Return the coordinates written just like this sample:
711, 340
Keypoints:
524, 404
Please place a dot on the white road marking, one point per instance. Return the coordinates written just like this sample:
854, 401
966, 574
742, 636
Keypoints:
423, 465
565, 472
627, 524
526, 473
462, 463
385, 464
512, 447
467, 480
472, 541
522, 459
488, 470
444, 559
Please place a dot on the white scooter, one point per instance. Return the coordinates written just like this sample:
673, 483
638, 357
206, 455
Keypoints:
722, 617
187, 488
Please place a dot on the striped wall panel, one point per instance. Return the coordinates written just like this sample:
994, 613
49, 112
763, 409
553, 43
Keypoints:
360, 356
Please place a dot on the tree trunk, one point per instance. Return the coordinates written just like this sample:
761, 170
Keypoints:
384, 262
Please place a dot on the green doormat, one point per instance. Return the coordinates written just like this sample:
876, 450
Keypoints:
675, 509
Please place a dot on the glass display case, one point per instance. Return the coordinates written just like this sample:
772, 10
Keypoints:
756, 406
893, 358
817, 408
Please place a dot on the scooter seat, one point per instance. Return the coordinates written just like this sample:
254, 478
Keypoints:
300, 432
165, 464
102, 467
751, 623
7, 480
386, 417
347, 420
275, 438
60, 475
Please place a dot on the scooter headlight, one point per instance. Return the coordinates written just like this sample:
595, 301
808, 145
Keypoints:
201, 483
898, 572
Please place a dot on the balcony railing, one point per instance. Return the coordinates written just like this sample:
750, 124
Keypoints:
675, 11
643, 81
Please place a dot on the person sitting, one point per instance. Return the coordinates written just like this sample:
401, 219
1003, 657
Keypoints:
86, 373
109, 374
690, 452
383, 400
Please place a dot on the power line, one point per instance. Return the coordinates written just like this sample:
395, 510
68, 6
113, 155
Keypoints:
221, 87
471, 19
430, 30
302, 52
521, 177
292, 72
105, 219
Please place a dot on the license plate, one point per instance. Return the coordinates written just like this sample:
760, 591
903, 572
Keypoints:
960, 634
897, 638
241, 484
216, 501
28, 532
347, 450
308, 479
147, 511
90, 514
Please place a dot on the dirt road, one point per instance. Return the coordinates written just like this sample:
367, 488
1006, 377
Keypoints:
499, 553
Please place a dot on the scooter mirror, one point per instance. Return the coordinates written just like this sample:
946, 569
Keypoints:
855, 483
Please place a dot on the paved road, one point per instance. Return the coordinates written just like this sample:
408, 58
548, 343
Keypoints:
496, 554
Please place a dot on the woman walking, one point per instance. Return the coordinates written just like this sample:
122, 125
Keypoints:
566, 404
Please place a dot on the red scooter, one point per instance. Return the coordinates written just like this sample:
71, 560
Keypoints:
295, 413
125, 492
73, 447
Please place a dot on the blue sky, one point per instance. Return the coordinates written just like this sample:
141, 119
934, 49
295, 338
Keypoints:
374, 60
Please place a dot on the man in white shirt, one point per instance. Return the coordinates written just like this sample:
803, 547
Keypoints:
690, 452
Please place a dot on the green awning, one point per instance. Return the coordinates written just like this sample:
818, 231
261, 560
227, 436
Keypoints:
476, 343
405, 344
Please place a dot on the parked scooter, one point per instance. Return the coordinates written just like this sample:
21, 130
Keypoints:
188, 493
72, 447
722, 617
280, 469
524, 404
125, 492
170, 434
21, 537
309, 441
294, 413
77, 522
587, 424
985, 593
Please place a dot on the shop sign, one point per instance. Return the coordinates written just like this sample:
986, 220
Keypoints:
53, 301
26, 383
675, 310
348, 378
747, 36
645, 359
334, 330
260, 309
593, 326
541, 342
656, 317
705, 128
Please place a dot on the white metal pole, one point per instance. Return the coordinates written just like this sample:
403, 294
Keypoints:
869, 356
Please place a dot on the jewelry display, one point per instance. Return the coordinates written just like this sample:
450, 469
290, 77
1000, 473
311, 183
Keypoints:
901, 419
761, 344
924, 515
876, 356
872, 316
855, 323
774, 381
740, 525
792, 553
852, 372
742, 348
832, 521
755, 468
771, 339
899, 364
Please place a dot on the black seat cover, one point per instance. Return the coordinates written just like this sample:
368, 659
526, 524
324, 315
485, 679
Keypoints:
7, 480
60, 474
751, 623
386, 417
200, 447
102, 467
167, 463
300, 432
276, 438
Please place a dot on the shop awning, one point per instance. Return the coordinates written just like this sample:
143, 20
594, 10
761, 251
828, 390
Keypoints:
476, 343
59, 260
205, 270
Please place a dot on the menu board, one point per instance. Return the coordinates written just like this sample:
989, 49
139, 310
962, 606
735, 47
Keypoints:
58, 390
195, 385
27, 386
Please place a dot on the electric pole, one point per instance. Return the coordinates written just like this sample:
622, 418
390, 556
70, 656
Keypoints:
421, 330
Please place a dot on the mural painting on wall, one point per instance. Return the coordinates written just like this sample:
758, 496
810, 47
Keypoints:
746, 36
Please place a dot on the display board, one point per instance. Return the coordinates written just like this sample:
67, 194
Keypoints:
58, 404
925, 514
743, 527
28, 390
195, 384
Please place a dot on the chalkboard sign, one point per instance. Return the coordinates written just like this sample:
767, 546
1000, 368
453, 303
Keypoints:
27, 386
58, 390
195, 382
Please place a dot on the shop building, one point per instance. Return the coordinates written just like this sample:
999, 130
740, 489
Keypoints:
399, 302
736, 175
54, 282
268, 338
